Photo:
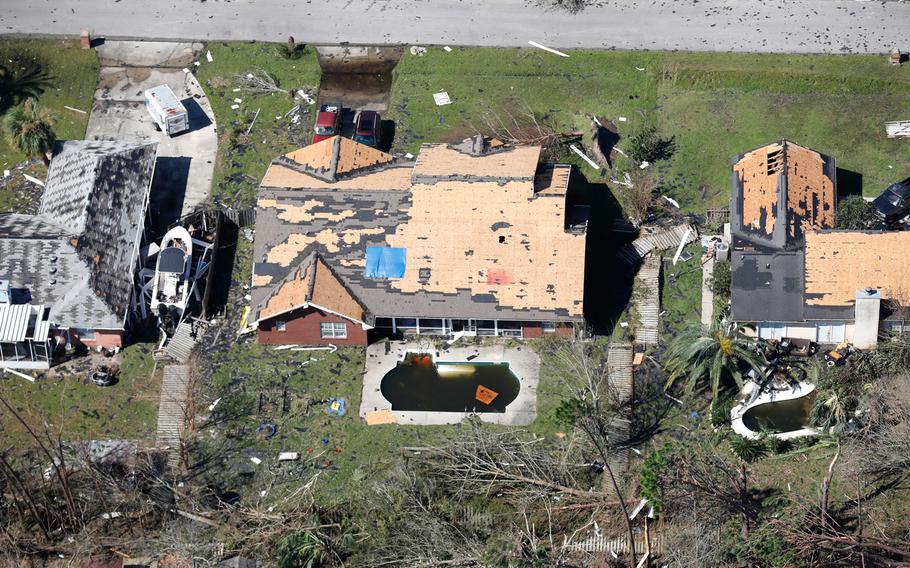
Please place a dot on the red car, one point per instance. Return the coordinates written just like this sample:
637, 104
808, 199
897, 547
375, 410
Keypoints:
328, 121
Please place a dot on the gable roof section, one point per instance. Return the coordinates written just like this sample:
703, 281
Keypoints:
315, 284
393, 177
838, 263
334, 158
91, 216
781, 191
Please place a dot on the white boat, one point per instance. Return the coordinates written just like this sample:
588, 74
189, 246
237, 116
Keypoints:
171, 289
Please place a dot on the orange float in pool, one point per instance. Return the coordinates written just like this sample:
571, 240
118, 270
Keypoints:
485, 395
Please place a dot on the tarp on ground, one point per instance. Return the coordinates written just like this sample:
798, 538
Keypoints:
385, 262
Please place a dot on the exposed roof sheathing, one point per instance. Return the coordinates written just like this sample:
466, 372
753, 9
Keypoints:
280, 176
782, 178
314, 283
839, 263
479, 243
335, 157
439, 162
509, 247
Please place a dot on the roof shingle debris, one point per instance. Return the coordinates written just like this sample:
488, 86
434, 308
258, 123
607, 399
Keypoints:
479, 243
78, 254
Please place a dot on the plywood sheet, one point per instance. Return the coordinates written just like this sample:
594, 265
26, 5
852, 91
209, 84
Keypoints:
439, 160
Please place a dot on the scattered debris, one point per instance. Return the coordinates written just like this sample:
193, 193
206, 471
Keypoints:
671, 201
255, 116
255, 460
418, 51
288, 456
111, 515
238, 101
409, 156
898, 129
20, 375
104, 376
584, 157
34, 180
545, 48
186, 71
267, 430
623, 324
259, 81
337, 407
442, 98
235, 107
639, 68
303, 95
214, 404
638, 508
618, 149
446, 48
6, 173
74, 109
644, 164
622, 119
208, 55
196, 63
682, 243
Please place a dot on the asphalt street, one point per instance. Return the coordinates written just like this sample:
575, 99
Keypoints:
814, 26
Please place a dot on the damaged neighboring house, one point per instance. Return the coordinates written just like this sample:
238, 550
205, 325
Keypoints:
67, 273
792, 275
470, 239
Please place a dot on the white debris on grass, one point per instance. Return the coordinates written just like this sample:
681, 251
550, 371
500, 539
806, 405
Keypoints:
196, 63
237, 89
442, 98
6, 173
409, 156
238, 101
208, 55
545, 48
185, 70
584, 157
618, 149
682, 243
74, 109
249, 75
671, 201
255, 460
640, 68
214, 404
288, 456
638, 508
623, 324
446, 48
34, 180
235, 107
644, 164
622, 119
302, 94
418, 51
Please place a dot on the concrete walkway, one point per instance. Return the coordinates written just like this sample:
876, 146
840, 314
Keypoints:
522, 361
186, 162
782, 26
707, 296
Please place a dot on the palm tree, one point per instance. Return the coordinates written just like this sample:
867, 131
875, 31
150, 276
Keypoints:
748, 451
28, 127
718, 354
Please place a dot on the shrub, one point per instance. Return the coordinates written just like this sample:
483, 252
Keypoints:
855, 213
720, 280
647, 146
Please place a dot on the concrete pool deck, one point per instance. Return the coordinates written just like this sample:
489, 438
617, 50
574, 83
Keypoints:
522, 361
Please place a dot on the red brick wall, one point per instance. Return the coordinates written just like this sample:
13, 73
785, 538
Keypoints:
302, 328
536, 331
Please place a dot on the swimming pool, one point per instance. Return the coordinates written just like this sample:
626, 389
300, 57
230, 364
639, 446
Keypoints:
782, 414
419, 383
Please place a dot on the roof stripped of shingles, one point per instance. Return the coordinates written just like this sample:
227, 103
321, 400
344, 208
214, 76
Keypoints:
315, 284
789, 173
839, 263
511, 247
512, 257
439, 161
334, 158
388, 178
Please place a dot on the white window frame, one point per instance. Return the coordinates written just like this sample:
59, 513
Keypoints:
333, 330
281, 325
548, 326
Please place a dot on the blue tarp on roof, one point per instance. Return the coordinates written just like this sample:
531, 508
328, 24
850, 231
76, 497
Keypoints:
385, 262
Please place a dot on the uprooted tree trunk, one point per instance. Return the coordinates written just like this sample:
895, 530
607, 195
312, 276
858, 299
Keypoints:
826, 487
522, 126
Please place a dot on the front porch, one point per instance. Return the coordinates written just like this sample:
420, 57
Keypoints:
25, 341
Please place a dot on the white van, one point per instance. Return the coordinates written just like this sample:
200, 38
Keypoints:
167, 112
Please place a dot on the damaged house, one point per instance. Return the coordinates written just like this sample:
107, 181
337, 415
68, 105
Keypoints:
470, 239
792, 274
67, 273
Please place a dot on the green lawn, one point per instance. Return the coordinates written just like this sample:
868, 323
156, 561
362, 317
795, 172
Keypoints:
716, 105
681, 293
242, 160
246, 371
60, 74
71, 404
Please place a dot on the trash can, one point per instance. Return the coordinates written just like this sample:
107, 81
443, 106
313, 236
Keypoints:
722, 251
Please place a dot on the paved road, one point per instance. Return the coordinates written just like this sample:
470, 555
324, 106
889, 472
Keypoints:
831, 26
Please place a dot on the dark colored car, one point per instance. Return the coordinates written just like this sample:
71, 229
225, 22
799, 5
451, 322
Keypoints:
367, 128
894, 203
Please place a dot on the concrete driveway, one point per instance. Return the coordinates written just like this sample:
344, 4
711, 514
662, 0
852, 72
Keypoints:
183, 173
